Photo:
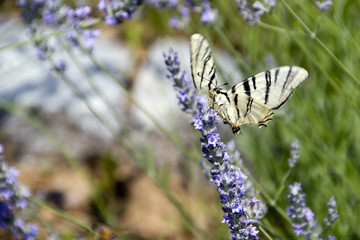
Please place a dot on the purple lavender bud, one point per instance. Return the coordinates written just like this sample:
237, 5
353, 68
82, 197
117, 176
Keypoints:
295, 148
116, 11
323, 6
111, 20
6, 215
102, 5
12, 202
302, 217
252, 13
332, 212
60, 66
208, 15
12, 174
49, 18
82, 13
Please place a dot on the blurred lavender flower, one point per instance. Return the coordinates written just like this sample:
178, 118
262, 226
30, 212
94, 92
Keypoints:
162, 3
240, 205
208, 15
12, 201
44, 16
252, 12
302, 217
182, 18
117, 11
295, 148
60, 66
323, 6
332, 212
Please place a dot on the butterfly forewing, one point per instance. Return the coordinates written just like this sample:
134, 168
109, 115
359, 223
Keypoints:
202, 64
272, 87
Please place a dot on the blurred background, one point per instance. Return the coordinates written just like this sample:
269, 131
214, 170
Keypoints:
105, 141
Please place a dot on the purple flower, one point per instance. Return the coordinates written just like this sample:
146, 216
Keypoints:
182, 16
302, 217
323, 6
208, 15
332, 212
117, 11
162, 3
183, 19
46, 15
6, 215
82, 13
295, 148
252, 13
239, 204
60, 66
12, 202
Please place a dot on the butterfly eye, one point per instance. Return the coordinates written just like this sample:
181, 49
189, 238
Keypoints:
217, 91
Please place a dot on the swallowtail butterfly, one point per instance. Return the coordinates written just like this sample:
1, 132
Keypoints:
251, 101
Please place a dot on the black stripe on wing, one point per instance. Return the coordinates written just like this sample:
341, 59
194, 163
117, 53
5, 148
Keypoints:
268, 84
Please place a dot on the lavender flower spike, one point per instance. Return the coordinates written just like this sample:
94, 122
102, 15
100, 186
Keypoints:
302, 217
117, 11
252, 12
240, 211
295, 148
12, 202
332, 212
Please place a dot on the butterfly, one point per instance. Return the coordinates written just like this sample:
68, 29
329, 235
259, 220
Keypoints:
251, 101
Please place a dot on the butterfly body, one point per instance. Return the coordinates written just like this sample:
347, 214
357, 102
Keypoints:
225, 103
251, 101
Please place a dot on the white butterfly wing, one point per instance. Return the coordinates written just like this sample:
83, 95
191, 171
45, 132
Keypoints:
202, 64
250, 110
256, 97
272, 87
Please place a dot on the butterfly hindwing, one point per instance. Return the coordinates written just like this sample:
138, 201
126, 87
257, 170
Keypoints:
202, 64
250, 110
273, 87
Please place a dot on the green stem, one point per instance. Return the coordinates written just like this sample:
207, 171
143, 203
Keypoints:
34, 39
271, 27
282, 186
60, 214
263, 231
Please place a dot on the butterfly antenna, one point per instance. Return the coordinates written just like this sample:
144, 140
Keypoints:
198, 73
